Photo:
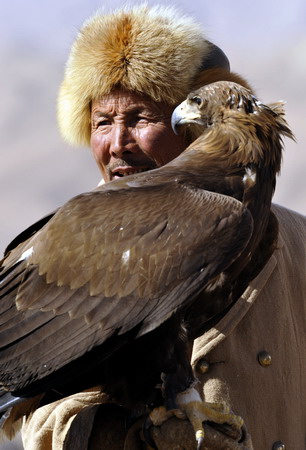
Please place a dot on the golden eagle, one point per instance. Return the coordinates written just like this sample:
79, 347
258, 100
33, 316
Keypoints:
111, 289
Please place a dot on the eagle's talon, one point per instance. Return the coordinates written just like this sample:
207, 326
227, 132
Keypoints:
198, 412
199, 438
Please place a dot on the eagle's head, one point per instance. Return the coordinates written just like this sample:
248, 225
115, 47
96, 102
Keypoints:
209, 106
227, 110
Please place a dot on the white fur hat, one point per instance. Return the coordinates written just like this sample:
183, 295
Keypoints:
150, 50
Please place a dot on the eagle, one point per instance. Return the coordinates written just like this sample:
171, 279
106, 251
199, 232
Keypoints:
113, 287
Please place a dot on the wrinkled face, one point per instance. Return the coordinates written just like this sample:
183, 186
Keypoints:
132, 133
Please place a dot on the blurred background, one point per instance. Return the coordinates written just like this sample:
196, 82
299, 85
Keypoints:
264, 41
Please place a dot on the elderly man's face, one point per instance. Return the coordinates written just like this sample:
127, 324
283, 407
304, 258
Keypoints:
131, 133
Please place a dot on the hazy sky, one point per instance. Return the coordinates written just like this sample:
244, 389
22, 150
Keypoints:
264, 40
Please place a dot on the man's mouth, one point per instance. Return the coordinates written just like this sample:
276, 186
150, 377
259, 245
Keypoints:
120, 172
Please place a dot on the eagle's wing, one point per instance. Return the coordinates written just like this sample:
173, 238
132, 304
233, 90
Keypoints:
108, 261
28, 232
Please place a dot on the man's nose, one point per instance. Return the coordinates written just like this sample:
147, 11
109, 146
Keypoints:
121, 141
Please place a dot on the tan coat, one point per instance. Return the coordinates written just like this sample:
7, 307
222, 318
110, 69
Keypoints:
269, 317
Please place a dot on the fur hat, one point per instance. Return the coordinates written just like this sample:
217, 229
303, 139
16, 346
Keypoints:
150, 50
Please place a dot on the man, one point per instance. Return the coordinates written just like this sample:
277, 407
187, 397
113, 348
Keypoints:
126, 73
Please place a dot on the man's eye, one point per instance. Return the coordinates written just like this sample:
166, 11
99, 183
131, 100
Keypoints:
102, 123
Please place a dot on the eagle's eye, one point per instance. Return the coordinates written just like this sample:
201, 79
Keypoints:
196, 99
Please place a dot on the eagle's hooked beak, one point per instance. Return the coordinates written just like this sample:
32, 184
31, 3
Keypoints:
185, 113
